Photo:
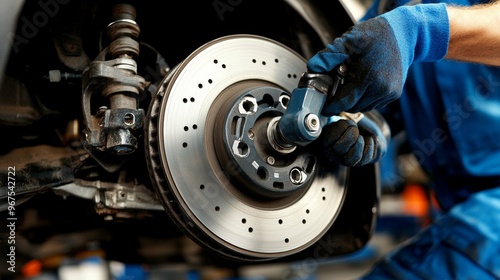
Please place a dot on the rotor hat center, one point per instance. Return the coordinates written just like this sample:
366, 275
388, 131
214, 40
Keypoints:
261, 170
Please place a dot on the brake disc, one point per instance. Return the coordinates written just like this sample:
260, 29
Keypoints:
212, 165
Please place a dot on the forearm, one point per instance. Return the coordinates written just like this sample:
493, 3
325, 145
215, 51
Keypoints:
475, 33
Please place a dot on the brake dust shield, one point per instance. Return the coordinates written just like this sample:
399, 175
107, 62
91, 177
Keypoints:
232, 199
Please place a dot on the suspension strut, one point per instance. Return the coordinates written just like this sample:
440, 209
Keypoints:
112, 131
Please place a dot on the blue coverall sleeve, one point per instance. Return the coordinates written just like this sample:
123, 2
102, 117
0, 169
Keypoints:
462, 244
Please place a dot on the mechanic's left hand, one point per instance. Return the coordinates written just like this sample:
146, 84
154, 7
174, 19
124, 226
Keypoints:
356, 144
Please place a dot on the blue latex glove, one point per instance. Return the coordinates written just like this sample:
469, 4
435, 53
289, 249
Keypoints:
356, 144
378, 53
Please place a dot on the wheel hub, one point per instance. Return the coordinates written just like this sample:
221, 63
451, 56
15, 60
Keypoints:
241, 144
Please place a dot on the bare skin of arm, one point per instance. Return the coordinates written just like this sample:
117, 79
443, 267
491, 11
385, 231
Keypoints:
475, 33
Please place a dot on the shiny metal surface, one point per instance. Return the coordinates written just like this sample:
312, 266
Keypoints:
201, 86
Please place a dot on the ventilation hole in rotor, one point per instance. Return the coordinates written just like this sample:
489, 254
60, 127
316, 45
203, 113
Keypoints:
264, 63
280, 221
217, 208
195, 126
278, 185
307, 211
224, 66
254, 61
192, 99
186, 128
237, 127
324, 198
185, 100
276, 60
262, 173
210, 81
202, 187
234, 125
250, 229
304, 221
323, 189
311, 162
243, 221
267, 99
200, 86
184, 145
287, 240
215, 61
154, 133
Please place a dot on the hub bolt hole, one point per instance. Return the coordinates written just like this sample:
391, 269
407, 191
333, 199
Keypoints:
284, 100
270, 160
296, 176
251, 134
241, 149
248, 106
262, 173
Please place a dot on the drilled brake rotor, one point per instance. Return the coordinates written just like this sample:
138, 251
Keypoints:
209, 159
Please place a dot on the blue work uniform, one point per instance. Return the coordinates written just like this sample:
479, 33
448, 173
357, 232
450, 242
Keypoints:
451, 114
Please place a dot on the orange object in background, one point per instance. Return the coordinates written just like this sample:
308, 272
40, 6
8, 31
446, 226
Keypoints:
415, 201
32, 268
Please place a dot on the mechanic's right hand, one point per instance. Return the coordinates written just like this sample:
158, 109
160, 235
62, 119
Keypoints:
378, 53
